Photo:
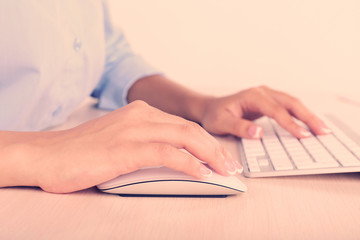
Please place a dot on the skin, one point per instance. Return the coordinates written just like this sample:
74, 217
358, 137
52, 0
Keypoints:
154, 129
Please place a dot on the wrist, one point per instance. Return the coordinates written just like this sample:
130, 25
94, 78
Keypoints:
170, 97
197, 106
20, 154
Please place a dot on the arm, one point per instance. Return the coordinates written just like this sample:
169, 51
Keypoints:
170, 97
17, 156
131, 137
120, 142
230, 114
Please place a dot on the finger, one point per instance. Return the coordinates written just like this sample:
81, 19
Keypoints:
158, 116
240, 127
159, 154
141, 111
284, 119
191, 137
301, 112
271, 108
185, 134
238, 166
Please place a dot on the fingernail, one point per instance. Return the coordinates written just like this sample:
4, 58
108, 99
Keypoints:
325, 129
304, 132
238, 166
206, 172
230, 167
254, 131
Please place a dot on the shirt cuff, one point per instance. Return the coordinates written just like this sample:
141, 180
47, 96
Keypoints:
114, 90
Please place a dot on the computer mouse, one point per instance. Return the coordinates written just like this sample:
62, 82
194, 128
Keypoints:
166, 181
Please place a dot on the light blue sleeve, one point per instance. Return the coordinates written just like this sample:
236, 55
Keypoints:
122, 68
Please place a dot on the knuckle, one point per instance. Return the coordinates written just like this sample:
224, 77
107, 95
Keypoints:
164, 151
136, 107
256, 91
283, 117
139, 103
277, 112
264, 87
286, 120
295, 101
190, 127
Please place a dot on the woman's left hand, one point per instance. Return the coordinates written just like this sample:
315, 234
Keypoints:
234, 114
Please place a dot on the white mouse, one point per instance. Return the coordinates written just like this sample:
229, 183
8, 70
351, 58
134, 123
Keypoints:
166, 181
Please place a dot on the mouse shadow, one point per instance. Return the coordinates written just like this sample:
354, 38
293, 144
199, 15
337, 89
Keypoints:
171, 196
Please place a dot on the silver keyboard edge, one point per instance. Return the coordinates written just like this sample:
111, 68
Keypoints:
297, 172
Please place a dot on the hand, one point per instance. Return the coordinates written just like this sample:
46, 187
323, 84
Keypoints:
234, 114
123, 141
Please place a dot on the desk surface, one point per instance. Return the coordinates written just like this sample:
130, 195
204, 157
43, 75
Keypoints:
298, 207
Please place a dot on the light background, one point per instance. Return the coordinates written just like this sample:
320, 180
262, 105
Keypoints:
235, 44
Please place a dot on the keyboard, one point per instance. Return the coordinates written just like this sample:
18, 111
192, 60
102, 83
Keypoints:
278, 153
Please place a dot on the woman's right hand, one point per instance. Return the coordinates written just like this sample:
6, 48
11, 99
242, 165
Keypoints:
124, 141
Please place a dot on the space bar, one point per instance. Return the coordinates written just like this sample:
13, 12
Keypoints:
310, 165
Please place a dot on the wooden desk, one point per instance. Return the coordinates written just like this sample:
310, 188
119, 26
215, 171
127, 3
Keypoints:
302, 207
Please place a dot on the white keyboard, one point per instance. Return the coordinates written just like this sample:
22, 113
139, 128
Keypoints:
279, 153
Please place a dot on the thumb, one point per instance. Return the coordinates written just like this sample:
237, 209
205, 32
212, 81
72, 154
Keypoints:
242, 128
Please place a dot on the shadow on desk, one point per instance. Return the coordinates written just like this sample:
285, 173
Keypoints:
345, 184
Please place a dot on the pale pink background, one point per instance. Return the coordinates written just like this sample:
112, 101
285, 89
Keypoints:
310, 44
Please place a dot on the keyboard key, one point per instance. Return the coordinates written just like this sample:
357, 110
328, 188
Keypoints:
263, 161
253, 149
280, 151
277, 154
339, 151
253, 164
348, 142
313, 165
282, 165
318, 152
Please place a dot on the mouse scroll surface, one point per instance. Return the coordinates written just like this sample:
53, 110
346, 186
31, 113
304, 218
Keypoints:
166, 181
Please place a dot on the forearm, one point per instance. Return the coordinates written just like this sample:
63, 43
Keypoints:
19, 152
169, 96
